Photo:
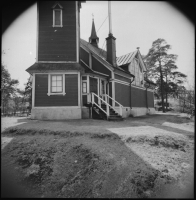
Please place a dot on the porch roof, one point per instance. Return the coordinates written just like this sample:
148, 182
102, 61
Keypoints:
46, 67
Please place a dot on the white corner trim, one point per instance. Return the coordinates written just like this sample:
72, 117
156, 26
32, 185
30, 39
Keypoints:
37, 37
33, 92
79, 89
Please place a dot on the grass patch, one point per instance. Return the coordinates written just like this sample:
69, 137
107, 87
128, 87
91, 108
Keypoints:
80, 165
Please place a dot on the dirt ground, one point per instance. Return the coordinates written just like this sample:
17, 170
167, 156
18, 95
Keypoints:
148, 156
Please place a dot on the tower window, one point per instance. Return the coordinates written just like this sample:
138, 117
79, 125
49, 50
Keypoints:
57, 15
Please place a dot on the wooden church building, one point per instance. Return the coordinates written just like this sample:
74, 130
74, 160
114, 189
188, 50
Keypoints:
75, 79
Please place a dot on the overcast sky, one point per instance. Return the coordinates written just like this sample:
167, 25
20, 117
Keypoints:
134, 24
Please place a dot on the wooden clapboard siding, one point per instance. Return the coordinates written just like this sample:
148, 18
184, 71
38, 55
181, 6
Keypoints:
150, 99
138, 97
41, 90
99, 67
84, 56
59, 45
121, 78
122, 94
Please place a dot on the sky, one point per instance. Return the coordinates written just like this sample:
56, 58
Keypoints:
134, 24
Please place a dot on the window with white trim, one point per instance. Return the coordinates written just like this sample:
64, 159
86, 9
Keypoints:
57, 15
84, 87
84, 84
56, 84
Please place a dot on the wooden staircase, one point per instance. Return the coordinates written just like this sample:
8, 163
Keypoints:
99, 114
105, 111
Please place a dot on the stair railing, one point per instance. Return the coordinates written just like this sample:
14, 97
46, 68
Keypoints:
108, 106
120, 106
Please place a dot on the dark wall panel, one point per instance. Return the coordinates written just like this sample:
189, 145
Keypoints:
138, 97
122, 94
57, 43
84, 99
41, 90
84, 56
97, 66
150, 99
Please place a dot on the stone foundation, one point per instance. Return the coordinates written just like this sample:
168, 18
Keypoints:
56, 113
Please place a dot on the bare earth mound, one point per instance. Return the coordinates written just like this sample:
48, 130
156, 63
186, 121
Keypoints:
82, 165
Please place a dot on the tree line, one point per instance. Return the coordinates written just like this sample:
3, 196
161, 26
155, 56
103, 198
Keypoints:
13, 99
162, 69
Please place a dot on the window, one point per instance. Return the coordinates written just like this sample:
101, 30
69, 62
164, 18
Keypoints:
57, 15
56, 84
84, 87
84, 84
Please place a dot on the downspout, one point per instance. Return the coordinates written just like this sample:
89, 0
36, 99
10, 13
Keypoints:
147, 96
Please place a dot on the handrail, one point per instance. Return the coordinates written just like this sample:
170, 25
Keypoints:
120, 106
107, 104
112, 99
100, 108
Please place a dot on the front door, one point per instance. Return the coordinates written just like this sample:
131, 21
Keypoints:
93, 87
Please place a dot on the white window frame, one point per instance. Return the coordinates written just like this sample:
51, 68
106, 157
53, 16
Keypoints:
50, 85
85, 81
61, 18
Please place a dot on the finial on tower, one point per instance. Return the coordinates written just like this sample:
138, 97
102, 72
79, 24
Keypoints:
92, 17
138, 48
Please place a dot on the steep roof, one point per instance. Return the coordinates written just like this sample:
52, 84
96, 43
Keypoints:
93, 32
125, 59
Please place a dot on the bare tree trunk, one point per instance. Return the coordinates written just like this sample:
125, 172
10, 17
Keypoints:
166, 92
162, 97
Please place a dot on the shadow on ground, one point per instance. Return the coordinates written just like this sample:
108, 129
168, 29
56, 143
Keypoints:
78, 166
